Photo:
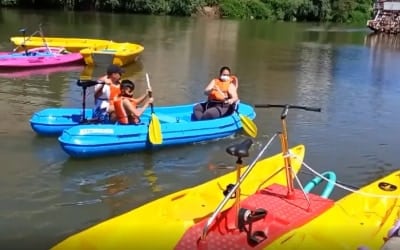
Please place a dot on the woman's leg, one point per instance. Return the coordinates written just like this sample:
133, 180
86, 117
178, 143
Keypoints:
212, 113
216, 112
198, 110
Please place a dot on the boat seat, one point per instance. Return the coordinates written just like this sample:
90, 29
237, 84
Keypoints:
86, 83
240, 149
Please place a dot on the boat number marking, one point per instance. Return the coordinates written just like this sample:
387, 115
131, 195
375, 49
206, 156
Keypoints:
107, 131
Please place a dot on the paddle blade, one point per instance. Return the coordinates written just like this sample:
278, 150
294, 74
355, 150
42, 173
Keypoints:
155, 134
248, 126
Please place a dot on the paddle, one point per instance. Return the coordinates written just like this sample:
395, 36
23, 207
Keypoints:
248, 125
155, 134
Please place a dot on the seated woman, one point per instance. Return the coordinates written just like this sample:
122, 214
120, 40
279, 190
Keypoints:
222, 96
125, 105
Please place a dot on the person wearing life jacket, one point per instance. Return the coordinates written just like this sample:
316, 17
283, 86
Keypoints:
222, 96
126, 107
105, 92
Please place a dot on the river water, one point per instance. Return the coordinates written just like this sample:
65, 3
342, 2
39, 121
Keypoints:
352, 76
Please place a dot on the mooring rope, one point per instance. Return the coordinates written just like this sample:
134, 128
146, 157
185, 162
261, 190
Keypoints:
340, 185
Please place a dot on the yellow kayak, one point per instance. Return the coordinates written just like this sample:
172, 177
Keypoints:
162, 223
359, 219
70, 44
116, 53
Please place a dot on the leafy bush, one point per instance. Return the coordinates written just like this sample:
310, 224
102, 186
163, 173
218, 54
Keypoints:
234, 8
258, 10
184, 7
8, 2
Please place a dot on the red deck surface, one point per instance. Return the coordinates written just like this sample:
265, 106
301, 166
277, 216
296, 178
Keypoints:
282, 216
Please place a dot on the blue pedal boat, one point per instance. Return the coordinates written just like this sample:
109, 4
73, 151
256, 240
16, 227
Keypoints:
177, 128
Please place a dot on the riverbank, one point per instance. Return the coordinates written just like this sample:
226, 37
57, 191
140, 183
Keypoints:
342, 11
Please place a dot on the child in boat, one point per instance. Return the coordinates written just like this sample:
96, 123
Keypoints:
125, 105
222, 96
104, 92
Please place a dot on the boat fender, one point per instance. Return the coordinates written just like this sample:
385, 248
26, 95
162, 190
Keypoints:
317, 180
228, 188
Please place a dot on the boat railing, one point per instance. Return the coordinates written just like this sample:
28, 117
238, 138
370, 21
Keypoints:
290, 175
235, 188
37, 32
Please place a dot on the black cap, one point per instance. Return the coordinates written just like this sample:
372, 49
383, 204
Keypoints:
127, 83
113, 68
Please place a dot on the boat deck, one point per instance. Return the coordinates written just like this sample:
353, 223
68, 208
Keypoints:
281, 215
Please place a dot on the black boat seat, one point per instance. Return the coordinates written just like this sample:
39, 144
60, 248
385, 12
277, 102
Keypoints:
86, 83
240, 149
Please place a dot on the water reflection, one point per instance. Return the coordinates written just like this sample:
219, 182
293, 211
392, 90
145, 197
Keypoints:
382, 41
128, 180
14, 74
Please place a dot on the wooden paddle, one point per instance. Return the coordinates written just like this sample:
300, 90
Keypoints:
155, 134
248, 125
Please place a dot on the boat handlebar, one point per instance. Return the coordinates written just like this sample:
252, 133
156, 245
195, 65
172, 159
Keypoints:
87, 83
286, 108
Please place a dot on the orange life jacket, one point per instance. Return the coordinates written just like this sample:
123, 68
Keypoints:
115, 91
216, 95
122, 116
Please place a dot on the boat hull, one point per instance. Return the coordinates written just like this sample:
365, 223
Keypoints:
38, 57
355, 220
170, 216
53, 121
43, 71
177, 128
114, 53
71, 44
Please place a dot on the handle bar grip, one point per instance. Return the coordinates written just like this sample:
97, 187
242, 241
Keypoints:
287, 106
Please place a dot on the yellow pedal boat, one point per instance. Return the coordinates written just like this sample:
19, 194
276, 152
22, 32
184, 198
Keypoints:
161, 223
362, 218
112, 53
70, 44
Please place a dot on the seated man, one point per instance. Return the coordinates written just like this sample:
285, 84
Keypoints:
105, 92
125, 105
222, 96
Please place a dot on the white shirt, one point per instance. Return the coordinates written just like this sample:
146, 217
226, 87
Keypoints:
103, 101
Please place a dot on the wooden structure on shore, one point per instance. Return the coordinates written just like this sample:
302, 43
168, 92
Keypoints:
387, 17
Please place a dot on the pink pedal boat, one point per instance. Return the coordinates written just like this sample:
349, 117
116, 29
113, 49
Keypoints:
39, 57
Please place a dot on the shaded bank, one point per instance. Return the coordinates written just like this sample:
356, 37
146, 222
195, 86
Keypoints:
274, 10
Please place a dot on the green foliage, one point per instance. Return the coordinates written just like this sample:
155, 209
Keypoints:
285, 10
244, 9
8, 2
184, 7
258, 10
233, 8
211, 2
